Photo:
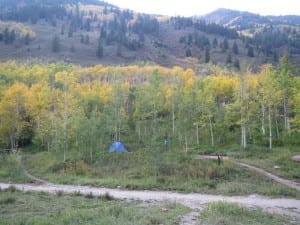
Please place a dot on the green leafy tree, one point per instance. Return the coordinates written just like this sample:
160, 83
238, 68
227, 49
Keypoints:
285, 81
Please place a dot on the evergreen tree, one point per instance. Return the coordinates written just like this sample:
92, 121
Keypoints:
235, 48
56, 44
70, 32
99, 51
250, 51
27, 39
72, 48
103, 33
215, 43
229, 59
188, 52
119, 50
6, 36
236, 64
207, 55
62, 31
87, 25
87, 39
12, 36
224, 45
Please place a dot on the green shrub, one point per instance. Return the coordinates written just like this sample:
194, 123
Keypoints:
8, 200
106, 197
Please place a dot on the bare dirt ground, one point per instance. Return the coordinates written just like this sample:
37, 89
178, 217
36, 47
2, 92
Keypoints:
283, 206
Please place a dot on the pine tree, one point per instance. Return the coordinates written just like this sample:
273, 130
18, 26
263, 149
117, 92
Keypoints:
215, 43
224, 45
99, 51
188, 52
87, 39
56, 44
6, 36
250, 51
207, 55
235, 48
236, 64
229, 59
27, 39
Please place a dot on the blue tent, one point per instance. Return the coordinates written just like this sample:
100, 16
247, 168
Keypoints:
117, 146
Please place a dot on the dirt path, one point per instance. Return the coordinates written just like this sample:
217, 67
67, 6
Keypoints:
20, 159
289, 183
195, 201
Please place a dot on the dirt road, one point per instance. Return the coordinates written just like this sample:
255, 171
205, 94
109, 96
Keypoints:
195, 201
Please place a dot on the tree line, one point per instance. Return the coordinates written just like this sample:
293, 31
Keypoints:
64, 107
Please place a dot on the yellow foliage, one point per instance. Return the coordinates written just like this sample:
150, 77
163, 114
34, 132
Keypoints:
188, 77
20, 29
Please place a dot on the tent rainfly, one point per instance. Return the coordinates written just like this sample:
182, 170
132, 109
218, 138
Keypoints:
117, 146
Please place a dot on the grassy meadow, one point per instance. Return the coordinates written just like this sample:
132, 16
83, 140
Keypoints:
40, 208
17, 208
277, 161
160, 169
228, 213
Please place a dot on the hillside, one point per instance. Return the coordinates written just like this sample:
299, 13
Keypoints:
246, 20
90, 32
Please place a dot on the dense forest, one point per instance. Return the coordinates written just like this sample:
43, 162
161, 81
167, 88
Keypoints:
64, 107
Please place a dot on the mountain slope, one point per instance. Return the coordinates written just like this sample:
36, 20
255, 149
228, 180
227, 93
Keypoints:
90, 32
246, 20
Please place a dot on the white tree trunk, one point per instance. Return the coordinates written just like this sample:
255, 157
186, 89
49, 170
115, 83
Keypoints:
173, 122
65, 125
270, 129
91, 153
186, 144
139, 132
263, 119
211, 132
287, 125
197, 134
243, 136
276, 123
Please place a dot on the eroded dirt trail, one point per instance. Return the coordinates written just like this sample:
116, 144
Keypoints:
283, 206
289, 183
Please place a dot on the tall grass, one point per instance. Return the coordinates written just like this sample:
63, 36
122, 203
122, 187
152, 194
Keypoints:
229, 213
154, 169
277, 160
10, 169
42, 208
